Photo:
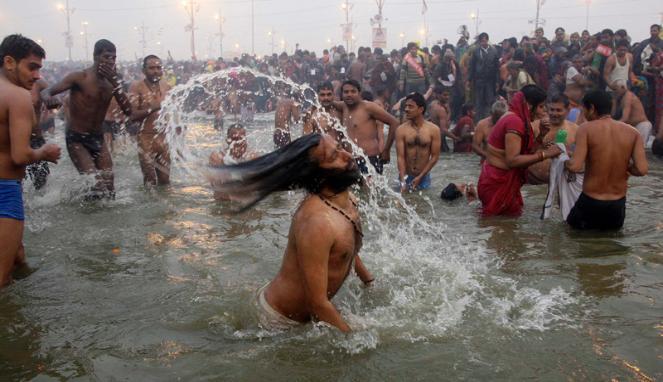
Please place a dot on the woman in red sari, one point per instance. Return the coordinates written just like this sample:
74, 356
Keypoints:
511, 149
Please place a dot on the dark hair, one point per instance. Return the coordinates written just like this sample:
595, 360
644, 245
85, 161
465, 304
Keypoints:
18, 47
325, 86
353, 83
235, 127
622, 43
367, 96
466, 108
290, 167
558, 97
608, 31
411, 45
147, 58
440, 89
451, 192
657, 26
600, 100
482, 35
417, 98
621, 33
103, 45
534, 95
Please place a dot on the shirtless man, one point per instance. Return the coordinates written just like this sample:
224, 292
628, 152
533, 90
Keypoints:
286, 114
360, 120
628, 107
21, 60
546, 129
90, 94
153, 151
417, 146
357, 69
608, 151
325, 234
38, 172
325, 120
440, 115
485, 126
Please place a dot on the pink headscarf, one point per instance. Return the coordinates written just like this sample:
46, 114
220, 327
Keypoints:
519, 107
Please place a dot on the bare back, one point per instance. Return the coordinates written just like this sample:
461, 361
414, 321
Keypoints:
285, 113
610, 147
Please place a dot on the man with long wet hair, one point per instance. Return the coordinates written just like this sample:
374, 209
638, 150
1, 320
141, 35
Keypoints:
325, 234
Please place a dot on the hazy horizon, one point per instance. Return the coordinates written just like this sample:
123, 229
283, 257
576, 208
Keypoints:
315, 25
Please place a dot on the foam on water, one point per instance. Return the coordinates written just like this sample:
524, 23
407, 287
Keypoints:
429, 281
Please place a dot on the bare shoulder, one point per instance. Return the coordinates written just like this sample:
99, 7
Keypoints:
431, 127
401, 129
311, 216
16, 96
136, 87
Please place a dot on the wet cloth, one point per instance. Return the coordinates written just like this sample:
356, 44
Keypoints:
644, 128
11, 199
562, 183
590, 213
268, 317
499, 189
38, 171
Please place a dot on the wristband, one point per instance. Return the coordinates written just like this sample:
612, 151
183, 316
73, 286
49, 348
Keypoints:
543, 156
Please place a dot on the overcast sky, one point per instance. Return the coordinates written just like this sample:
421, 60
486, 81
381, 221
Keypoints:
310, 23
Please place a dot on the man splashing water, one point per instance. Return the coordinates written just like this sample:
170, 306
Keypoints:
325, 235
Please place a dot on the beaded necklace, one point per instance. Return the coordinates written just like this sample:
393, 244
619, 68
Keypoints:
356, 225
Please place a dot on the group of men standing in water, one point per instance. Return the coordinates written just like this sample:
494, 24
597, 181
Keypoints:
90, 94
326, 232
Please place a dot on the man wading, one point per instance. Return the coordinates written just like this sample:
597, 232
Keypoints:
325, 235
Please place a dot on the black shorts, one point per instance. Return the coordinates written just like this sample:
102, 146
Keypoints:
281, 138
93, 143
375, 161
589, 213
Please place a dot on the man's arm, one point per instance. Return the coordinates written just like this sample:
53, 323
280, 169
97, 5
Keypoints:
513, 157
294, 111
607, 70
362, 272
381, 115
314, 242
400, 156
65, 84
577, 161
639, 167
108, 72
626, 111
21, 119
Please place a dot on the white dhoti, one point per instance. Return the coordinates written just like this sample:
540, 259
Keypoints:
564, 184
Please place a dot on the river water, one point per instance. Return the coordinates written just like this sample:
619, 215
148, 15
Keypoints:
159, 285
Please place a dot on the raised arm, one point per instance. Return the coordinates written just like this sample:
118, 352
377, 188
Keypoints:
110, 75
314, 243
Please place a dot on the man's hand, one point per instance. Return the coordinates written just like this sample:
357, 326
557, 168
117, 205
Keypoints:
50, 101
415, 183
108, 72
50, 152
552, 151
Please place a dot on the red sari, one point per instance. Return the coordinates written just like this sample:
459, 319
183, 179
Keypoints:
498, 189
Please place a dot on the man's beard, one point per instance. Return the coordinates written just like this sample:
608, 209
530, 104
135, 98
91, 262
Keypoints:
339, 180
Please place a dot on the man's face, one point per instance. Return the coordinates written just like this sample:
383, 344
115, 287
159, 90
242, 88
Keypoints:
351, 95
574, 38
337, 169
153, 70
557, 113
621, 51
559, 35
585, 35
326, 97
654, 33
25, 72
444, 97
106, 57
538, 112
483, 42
412, 110
538, 33
413, 51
